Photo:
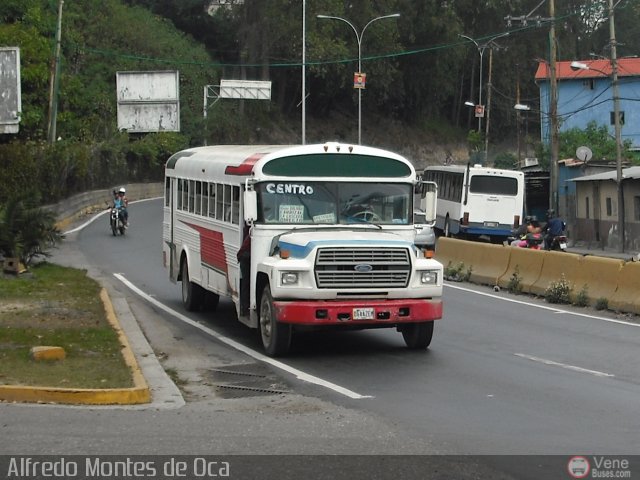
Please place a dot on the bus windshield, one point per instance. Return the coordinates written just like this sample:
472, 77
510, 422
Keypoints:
334, 203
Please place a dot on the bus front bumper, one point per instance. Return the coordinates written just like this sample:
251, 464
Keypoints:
368, 312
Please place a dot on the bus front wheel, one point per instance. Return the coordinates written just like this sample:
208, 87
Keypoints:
192, 293
276, 336
417, 335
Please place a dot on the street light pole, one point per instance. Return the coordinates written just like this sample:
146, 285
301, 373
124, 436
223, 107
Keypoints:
481, 48
359, 41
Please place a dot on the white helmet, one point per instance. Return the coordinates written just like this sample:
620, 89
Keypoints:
122, 190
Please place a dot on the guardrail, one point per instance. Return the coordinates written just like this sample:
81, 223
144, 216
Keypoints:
85, 203
596, 277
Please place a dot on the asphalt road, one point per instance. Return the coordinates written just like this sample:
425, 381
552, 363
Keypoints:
505, 375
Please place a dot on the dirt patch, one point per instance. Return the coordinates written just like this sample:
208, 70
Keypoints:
43, 314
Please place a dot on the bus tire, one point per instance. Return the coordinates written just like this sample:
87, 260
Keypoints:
192, 294
276, 336
417, 336
210, 301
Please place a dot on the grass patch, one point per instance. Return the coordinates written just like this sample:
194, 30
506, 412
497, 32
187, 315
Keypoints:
58, 306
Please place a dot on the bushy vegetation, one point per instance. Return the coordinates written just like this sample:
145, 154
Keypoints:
26, 230
559, 291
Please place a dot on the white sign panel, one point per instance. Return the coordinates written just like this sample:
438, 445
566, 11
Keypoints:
245, 89
10, 93
148, 101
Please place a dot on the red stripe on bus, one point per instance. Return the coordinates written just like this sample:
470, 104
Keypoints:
212, 250
246, 167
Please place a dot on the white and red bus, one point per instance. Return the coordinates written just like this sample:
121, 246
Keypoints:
331, 239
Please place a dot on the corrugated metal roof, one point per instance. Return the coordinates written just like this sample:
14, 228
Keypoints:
627, 67
627, 173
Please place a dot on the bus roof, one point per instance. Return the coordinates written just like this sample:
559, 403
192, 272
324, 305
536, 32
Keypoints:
312, 161
474, 169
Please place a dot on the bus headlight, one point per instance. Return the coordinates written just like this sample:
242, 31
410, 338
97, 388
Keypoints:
429, 277
288, 278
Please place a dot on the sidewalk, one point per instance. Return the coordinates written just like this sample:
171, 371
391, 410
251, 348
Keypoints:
604, 252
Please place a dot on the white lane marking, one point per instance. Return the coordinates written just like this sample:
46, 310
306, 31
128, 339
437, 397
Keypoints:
246, 350
553, 309
564, 365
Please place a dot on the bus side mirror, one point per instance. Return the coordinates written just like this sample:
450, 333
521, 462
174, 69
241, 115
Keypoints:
250, 206
429, 201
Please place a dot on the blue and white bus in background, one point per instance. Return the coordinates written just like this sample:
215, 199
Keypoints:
477, 202
327, 233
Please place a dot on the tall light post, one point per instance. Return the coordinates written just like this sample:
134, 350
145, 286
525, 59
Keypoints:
359, 40
480, 110
618, 136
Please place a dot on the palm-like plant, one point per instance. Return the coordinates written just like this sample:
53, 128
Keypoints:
27, 231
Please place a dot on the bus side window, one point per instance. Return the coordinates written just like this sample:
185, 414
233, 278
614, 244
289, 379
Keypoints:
205, 199
235, 207
212, 200
219, 201
192, 196
198, 198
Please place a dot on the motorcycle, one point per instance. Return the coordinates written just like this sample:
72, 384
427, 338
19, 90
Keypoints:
559, 242
533, 241
117, 221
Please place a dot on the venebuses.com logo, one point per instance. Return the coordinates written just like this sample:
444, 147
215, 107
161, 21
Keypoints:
598, 467
578, 467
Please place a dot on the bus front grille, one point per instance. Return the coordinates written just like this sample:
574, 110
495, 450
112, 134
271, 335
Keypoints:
363, 268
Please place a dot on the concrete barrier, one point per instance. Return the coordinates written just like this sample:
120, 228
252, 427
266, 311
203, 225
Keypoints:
74, 207
626, 298
489, 262
527, 263
600, 274
554, 266
450, 251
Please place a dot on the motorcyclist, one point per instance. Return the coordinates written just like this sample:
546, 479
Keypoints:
554, 227
528, 234
121, 202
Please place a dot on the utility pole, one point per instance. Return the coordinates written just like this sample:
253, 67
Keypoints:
618, 134
553, 96
555, 127
486, 124
55, 80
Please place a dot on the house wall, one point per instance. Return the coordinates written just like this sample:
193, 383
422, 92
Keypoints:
598, 227
583, 100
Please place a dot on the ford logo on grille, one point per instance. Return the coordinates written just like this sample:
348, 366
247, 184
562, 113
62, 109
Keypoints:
363, 268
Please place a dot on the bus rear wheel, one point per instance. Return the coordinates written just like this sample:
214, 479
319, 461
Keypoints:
192, 294
276, 336
417, 335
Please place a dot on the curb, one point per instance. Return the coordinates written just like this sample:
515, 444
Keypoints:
137, 394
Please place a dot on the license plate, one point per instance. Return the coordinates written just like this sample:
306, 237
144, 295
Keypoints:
563, 246
363, 313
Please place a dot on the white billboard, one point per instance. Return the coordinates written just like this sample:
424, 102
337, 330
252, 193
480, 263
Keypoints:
10, 93
148, 101
245, 89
